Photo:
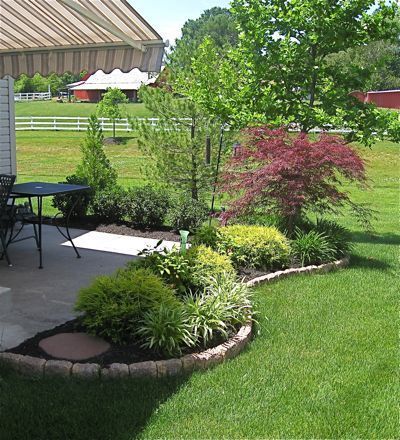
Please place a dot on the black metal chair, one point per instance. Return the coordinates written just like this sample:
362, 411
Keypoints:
6, 184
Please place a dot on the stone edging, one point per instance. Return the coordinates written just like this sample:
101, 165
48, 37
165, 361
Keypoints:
323, 268
36, 367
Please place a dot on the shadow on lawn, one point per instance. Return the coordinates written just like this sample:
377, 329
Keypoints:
363, 237
360, 261
61, 409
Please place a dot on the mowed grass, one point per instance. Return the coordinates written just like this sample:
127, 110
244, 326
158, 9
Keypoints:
50, 156
84, 109
324, 365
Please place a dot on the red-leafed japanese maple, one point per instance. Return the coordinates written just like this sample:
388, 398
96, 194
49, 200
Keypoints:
290, 175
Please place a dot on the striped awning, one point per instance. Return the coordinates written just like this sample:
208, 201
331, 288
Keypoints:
58, 36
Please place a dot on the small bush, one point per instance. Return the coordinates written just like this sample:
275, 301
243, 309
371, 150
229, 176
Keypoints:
216, 312
312, 247
207, 235
109, 205
172, 266
166, 330
147, 207
188, 214
65, 202
205, 263
339, 237
113, 305
259, 247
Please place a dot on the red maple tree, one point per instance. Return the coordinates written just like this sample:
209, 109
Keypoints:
290, 174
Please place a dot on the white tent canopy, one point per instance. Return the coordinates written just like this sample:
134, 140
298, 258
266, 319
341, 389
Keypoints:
132, 80
60, 36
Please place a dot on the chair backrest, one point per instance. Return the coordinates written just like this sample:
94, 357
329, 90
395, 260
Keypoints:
6, 184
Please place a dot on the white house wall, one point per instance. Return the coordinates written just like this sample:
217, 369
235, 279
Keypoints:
7, 127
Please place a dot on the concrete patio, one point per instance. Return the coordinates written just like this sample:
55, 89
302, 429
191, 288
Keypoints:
33, 300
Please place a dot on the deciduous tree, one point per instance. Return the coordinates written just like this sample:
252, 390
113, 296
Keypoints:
291, 176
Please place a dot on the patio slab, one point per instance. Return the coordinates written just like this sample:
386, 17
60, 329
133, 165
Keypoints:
34, 300
120, 244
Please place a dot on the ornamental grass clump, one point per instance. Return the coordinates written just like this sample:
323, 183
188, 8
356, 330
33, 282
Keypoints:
166, 329
312, 247
219, 309
258, 247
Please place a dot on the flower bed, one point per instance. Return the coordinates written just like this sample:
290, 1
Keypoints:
38, 367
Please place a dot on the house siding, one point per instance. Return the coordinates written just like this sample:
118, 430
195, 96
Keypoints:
7, 127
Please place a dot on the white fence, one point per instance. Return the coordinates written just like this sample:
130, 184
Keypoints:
43, 96
76, 123
72, 123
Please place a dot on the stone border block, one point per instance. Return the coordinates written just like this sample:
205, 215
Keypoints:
86, 371
170, 367
31, 366
118, 371
143, 369
58, 368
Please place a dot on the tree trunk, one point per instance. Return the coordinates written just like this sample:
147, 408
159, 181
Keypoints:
193, 183
113, 128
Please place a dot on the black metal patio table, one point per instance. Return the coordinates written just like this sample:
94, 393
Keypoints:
38, 190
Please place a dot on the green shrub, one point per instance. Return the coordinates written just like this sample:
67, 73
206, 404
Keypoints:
219, 309
259, 247
109, 205
65, 202
207, 235
187, 214
312, 247
166, 330
338, 236
113, 305
172, 266
206, 263
146, 207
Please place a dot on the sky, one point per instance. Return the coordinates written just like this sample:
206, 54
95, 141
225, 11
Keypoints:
168, 16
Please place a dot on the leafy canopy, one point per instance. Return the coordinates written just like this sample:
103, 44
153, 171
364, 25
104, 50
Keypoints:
281, 66
110, 105
291, 175
215, 23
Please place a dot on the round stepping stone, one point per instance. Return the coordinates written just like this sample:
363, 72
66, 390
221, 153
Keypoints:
74, 346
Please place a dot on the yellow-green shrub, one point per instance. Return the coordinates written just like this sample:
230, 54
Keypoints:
205, 263
260, 247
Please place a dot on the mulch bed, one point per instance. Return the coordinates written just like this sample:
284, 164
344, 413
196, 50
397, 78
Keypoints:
126, 354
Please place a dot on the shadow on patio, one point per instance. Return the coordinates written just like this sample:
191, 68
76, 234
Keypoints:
33, 300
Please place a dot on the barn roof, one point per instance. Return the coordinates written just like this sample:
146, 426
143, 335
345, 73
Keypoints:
60, 36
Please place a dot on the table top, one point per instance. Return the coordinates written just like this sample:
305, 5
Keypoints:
38, 189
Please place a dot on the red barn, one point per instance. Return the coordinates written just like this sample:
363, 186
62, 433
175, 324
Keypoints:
383, 98
92, 88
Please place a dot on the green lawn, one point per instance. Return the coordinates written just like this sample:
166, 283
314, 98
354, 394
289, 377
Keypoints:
52, 108
325, 364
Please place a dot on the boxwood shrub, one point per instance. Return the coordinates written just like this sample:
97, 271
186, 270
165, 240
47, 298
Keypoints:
109, 205
147, 207
259, 247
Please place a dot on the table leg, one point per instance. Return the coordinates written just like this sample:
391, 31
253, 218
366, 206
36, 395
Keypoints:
33, 224
68, 235
40, 221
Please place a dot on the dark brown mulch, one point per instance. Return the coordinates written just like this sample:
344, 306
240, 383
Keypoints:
162, 234
126, 354
248, 274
